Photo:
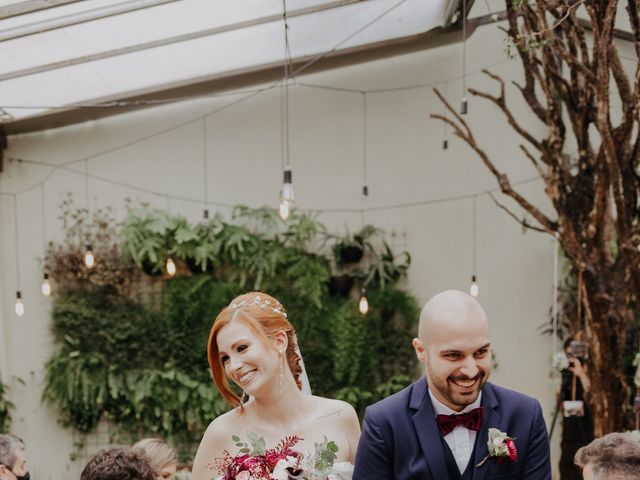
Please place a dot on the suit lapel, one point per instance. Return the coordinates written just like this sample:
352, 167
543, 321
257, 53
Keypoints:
491, 419
424, 422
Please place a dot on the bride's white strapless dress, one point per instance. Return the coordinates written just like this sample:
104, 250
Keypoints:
341, 471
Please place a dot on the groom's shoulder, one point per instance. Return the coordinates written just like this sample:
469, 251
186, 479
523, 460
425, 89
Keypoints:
512, 398
391, 405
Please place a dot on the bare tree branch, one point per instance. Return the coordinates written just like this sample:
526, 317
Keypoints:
461, 130
501, 103
535, 162
522, 221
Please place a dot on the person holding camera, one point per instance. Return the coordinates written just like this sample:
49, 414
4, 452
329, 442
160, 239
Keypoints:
577, 424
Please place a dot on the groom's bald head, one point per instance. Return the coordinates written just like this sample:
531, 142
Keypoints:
453, 345
448, 312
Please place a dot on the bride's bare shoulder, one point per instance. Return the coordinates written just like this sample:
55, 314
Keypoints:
216, 439
222, 427
330, 407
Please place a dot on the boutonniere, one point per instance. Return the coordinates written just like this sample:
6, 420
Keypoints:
501, 446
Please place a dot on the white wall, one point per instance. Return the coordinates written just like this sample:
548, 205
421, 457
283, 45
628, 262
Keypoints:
405, 164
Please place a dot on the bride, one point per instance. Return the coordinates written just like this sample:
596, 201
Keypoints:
253, 344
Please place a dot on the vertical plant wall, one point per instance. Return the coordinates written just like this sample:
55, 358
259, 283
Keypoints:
131, 340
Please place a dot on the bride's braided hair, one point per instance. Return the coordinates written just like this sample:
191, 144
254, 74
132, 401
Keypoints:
266, 317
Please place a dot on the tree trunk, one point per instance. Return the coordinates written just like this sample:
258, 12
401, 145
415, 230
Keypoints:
607, 321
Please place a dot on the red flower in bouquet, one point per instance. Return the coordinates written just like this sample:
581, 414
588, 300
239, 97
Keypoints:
256, 463
255, 466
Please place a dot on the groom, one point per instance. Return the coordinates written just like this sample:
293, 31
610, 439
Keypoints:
438, 427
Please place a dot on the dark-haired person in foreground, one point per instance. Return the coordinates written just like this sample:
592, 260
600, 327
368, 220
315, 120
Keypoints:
13, 462
118, 464
616, 456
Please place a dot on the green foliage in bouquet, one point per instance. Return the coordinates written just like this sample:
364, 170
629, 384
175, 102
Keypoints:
131, 341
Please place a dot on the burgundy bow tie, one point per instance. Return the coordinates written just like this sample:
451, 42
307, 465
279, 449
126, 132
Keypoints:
471, 420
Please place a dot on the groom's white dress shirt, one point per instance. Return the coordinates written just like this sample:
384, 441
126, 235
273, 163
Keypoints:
460, 439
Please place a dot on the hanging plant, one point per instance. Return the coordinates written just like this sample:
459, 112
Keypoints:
350, 248
113, 269
385, 268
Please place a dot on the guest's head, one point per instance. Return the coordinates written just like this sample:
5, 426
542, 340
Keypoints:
616, 456
161, 457
13, 462
249, 341
118, 464
453, 345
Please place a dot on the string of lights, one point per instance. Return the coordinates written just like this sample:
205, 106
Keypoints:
95, 155
287, 195
196, 200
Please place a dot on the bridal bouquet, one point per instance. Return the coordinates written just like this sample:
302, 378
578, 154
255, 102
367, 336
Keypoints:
254, 462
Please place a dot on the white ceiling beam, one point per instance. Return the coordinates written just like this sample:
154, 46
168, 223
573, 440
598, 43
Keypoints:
78, 18
30, 6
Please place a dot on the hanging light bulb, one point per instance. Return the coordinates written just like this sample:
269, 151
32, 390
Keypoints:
445, 137
19, 304
286, 195
463, 106
205, 214
284, 210
89, 259
363, 304
287, 187
365, 190
474, 290
170, 266
46, 285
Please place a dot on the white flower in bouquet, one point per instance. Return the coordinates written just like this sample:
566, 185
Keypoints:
280, 470
341, 471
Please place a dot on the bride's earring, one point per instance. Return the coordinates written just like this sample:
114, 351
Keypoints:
281, 370
242, 398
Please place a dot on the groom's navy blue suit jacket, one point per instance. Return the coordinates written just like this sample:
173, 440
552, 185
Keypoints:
401, 441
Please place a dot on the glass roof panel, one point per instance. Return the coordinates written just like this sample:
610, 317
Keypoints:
182, 40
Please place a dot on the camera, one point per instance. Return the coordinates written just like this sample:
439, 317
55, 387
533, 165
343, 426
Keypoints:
578, 350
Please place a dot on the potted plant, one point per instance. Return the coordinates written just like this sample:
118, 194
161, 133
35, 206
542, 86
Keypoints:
386, 267
350, 249
341, 285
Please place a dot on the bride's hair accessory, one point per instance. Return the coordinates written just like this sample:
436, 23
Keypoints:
258, 301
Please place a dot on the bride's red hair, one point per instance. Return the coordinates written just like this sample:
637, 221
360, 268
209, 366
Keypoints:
265, 321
